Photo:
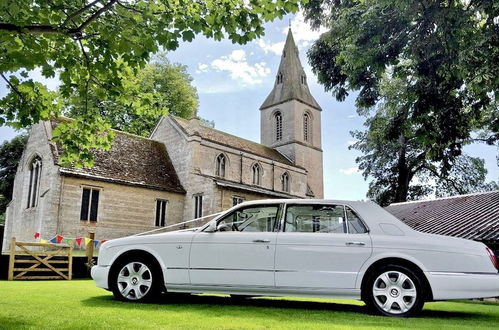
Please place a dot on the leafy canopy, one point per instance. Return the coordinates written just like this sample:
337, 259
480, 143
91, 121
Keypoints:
426, 75
166, 87
89, 43
10, 154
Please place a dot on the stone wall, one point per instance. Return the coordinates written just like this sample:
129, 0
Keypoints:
22, 221
123, 210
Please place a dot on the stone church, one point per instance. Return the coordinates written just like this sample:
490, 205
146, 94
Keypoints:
183, 171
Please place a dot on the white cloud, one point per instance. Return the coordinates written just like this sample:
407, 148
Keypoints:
240, 70
350, 171
302, 32
352, 116
268, 46
202, 67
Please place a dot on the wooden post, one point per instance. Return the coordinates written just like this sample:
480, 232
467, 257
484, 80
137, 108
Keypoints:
70, 263
90, 251
12, 258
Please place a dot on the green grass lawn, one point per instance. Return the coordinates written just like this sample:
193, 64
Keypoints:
80, 305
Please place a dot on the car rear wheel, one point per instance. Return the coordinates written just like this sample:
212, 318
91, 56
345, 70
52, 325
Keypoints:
394, 290
136, 280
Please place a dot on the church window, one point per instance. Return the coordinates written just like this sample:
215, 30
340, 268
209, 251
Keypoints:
221, 161
303, 79
198, 206
306, 127
257, 174
89, 204
278, 126
285, 181
279, 78
161, 209
237, 200
35, 171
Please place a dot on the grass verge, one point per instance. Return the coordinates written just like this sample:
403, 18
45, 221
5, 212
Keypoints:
80, 305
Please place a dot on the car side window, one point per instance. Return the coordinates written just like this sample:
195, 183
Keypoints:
355, 225
315, 218
250, 219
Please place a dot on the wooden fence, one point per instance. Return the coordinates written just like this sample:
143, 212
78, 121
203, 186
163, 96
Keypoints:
54, 259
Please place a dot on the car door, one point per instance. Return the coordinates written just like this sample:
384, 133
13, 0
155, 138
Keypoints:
240, 253
318, 248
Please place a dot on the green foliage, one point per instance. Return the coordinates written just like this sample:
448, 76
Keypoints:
156, 90
10, 154
427, 77
90, 44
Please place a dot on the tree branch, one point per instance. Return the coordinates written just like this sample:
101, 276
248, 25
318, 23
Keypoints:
95, 15
13, 87
79, 11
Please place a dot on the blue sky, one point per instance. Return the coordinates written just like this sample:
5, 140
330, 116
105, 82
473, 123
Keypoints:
233, 80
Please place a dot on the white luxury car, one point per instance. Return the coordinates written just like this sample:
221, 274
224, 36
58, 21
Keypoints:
319, 248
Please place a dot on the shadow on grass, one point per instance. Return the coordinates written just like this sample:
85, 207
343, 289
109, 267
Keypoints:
179, 300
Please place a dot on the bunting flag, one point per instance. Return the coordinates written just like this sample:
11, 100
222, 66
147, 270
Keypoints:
70, 241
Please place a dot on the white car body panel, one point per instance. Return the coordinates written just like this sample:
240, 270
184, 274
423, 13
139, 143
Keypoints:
308, 264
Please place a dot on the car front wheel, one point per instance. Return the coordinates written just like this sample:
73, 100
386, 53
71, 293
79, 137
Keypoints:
135, 280
394, 290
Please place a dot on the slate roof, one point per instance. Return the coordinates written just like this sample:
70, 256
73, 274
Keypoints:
291, 87
474, 216
132, 160
192, 127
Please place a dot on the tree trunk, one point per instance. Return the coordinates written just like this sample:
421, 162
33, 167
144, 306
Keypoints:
404, 174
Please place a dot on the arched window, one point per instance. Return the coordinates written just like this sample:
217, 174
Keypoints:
306, 127
285, 181
220, 169
278, 126
35, 171
257, 174
279, 78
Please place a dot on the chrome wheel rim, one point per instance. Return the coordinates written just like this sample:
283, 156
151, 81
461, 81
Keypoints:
134, 280
394, 292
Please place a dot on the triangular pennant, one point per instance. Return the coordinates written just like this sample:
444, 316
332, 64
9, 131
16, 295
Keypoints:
36, 235
78, 240
96, 242
87, 241
102, 241
59, 238
69, 241
53, 240
43, 240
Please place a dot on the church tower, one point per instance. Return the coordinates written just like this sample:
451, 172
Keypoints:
290, 119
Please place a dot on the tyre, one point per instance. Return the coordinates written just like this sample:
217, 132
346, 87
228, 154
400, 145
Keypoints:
394, 290
136, 279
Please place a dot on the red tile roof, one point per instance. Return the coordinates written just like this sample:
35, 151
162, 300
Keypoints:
474, 216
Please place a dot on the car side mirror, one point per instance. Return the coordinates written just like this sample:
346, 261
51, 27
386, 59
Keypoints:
212, 227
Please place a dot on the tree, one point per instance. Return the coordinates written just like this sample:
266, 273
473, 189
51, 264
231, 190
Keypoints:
169, 86
427, 77
90, 43
10, 154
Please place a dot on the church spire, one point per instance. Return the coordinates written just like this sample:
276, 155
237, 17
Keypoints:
291, 81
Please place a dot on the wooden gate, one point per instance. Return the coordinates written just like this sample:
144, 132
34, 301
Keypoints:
26, 264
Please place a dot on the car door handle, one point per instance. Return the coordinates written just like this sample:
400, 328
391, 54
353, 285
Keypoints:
261, 241
355, 243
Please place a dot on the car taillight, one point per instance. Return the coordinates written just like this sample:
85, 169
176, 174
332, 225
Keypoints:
493, 258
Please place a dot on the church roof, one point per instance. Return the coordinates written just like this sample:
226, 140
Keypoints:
192, 127
132, 160
473, 216
291, 82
